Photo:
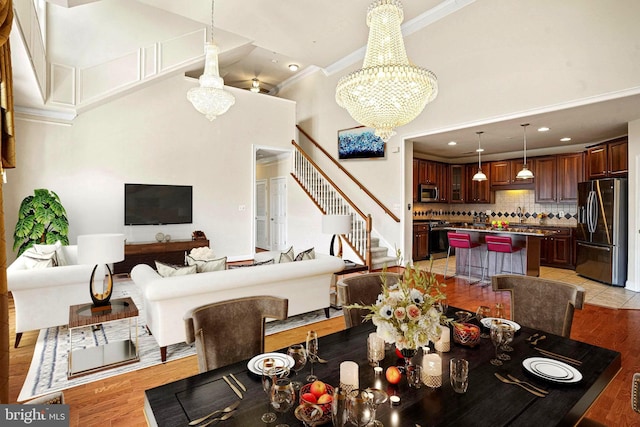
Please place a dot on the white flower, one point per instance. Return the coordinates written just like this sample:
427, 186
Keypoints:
416, 296
386, 311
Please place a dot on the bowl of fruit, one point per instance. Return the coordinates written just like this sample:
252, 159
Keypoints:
466, 334
500, 225
320, 394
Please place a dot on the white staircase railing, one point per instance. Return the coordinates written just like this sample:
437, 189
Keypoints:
332, 201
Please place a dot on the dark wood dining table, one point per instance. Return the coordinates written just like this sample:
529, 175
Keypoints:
487, 402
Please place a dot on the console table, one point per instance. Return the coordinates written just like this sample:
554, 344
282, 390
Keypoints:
171, 252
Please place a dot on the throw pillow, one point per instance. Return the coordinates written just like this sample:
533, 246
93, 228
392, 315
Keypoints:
269, 261
286, 256
203, 253
304, 255
61, 260
206, 266
35, 260
169, 270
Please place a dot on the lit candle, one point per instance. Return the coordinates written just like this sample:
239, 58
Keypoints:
378, 370
395, 400
432, 370
444, 343
349, 375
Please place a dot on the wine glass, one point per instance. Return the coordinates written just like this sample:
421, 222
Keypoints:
499, 310
269, 372
312, 353
482, 313
310, 414
299, 356
443, 306
378, 397
283, 396
360, 407
496, 339
508, 332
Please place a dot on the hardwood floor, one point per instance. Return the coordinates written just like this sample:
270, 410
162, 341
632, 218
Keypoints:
118, 401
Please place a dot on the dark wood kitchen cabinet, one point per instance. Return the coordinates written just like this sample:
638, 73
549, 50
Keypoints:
443, 182
503, 175
557, 250
478, 191
416, 179
557, 177
428, 172
420, 241
608, 160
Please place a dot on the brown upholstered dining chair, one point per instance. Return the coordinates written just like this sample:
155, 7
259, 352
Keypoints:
362, 289
229, 331
541, 304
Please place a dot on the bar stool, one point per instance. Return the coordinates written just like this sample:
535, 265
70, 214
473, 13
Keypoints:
503, 245
462, 241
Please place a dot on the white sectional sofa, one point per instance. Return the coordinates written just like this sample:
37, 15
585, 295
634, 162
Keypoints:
42, 296
306, 284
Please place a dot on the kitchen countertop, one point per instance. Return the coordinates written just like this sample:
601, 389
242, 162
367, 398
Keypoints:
524, 230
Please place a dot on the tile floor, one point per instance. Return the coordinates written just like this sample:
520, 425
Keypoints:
597, 293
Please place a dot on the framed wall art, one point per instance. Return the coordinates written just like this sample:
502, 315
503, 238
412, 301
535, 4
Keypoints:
359, 143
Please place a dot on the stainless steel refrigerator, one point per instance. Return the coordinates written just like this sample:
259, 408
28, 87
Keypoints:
602, 230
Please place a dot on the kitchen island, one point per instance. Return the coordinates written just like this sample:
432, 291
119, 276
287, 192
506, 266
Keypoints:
526, 261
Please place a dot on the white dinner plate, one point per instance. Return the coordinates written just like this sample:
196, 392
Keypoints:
552, 370
486, 322
282, 360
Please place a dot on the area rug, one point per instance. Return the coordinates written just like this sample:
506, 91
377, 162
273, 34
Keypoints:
48, 370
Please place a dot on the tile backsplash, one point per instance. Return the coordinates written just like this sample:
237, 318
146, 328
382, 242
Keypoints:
506, 205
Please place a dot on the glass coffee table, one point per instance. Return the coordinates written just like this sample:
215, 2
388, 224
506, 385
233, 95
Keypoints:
86, 317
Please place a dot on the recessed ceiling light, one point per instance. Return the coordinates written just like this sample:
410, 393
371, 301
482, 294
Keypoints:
543, 129
452, 143
293, 67
565, 139
479, 150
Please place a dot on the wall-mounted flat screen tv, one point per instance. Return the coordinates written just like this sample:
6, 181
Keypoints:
147, 204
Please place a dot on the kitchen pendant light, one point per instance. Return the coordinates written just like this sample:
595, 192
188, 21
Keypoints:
388, 91
210, 98
525, 173
479, 176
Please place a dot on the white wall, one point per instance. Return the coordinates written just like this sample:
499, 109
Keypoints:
541, 55
152, 136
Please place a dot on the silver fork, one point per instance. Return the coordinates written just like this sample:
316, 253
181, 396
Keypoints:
229, 408
506, 381
541, 390
222, 418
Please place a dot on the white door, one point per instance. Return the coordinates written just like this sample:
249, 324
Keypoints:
262, 225
278, 213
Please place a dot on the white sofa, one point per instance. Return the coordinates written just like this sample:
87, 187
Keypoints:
43, 296
306, 284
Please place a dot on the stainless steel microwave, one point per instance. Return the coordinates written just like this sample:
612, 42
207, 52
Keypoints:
428, 193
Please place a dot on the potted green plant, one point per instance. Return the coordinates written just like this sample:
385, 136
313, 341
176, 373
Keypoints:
41, 219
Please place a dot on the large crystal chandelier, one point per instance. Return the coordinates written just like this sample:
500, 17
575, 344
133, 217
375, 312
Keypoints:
387, 91
210, 98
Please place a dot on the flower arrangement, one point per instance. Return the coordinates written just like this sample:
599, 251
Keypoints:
405, 313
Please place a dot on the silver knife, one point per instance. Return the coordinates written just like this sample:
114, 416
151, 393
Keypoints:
234, 388
238, 381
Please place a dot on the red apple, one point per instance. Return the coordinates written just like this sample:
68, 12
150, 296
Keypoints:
318, 388
309, 397
393, 375
325, 398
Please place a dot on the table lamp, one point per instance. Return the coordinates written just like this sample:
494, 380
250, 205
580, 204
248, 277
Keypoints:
99, 249
336, 225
